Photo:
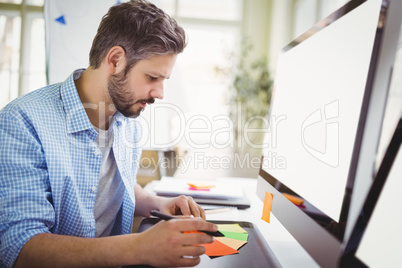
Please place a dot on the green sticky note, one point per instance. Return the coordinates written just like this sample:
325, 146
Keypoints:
238, 236
234, 228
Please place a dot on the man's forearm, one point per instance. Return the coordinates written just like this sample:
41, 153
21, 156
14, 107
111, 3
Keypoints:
50, 250
145, 202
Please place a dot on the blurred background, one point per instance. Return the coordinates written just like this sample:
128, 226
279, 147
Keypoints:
220, 86
215, 29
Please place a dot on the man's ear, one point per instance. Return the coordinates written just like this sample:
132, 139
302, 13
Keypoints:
116, 60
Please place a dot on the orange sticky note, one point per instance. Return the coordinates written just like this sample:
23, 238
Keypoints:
233, 243
266, 211
218, 248
295, 200
200, 185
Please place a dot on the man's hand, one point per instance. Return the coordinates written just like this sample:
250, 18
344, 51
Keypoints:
166, 244
181, 205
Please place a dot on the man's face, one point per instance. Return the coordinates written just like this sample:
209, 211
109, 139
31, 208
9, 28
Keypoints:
142, 85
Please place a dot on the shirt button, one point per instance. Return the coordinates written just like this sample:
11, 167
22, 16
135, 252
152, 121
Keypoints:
93, 189
96, 152
92, 225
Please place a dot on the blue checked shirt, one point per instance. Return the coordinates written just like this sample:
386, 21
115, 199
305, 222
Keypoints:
49, 168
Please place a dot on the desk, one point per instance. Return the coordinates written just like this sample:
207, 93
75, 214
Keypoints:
285, 247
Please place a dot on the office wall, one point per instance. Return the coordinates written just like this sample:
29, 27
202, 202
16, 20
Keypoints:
257, 25
70, 28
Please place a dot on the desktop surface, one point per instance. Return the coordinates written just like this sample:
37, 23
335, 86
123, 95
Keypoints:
285, 248
255, 253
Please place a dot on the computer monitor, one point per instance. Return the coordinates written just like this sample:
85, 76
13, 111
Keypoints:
330, 90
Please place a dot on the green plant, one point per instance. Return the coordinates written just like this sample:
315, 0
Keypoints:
252, 84
250, 95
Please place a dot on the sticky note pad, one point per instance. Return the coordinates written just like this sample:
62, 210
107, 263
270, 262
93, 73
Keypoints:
266, 210
234, 228
233, 243
196, 189
221, 246
238, 236
201, 185
295, 200
218, 248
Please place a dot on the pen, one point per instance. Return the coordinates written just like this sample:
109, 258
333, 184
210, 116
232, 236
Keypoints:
166, 217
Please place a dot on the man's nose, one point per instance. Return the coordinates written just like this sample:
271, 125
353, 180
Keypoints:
157, 92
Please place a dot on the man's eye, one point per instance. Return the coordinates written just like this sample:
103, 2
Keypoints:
153, 78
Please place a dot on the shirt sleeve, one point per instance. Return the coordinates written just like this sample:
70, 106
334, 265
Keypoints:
26, 202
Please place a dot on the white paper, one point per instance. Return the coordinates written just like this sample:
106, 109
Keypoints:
175, 186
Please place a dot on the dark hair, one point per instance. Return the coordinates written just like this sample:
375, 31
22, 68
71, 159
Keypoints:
141, 29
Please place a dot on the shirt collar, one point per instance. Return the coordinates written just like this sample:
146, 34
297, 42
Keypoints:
119, 118
76, 117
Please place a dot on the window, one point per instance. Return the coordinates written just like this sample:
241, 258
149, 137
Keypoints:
309, 13
213, 28
195, 94
10, 27
22, 48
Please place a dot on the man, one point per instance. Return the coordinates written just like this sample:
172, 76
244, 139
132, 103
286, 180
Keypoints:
69, 156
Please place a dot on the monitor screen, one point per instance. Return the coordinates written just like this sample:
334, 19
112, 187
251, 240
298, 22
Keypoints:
330, 88
318, 94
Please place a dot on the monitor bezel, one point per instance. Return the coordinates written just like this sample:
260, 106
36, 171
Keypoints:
349, 258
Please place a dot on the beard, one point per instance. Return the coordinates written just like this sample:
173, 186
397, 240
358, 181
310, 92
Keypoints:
123, 98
